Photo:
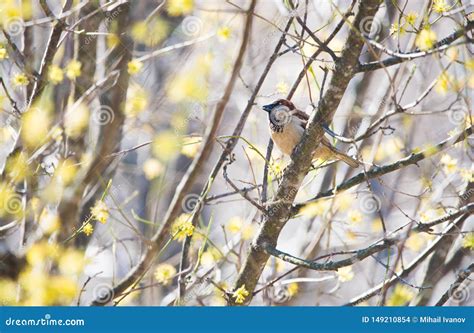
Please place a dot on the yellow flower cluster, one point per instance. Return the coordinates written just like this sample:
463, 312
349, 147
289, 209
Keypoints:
440, 6
36, 124
38, 285
20, 80
182, 227
100, 211
426, 39
236, 225
88, 229
179, 7
134, 67
164, 273
345, 274
240, 294
401, 295
468, 241
150, 33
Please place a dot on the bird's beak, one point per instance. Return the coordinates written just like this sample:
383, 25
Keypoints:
268, 107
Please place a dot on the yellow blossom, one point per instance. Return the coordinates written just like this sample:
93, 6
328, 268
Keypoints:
207, 259
445, 81
179, 7
470, 64
234, 225
426, 39
351, 235
282, 87
3, 53
164, 273
71, 262
345, 274
397, 29
40, 253
188, 86
182, 227
449, 164
411, 18
292, 289
139, 31
440, 6
73, 69
152, 168
134, 66
20, 80
210, 257
416, 241
376, 225
100, 211
76, 121
344, 201
452, 54
354, 217
166, 145
401, 295
8, 292
137, 100
66, 171
55, 74
150, 32
191, 146
35, 127
112, 40
248, 231
240, 294
223, 33
17, 168
88, 229
468, 241
314, 209
49, 221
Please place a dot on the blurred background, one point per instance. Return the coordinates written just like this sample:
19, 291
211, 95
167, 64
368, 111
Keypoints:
105, 105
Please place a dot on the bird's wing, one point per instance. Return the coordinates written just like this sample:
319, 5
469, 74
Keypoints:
301, 116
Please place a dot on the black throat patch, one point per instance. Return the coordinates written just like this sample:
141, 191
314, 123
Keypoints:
274, 126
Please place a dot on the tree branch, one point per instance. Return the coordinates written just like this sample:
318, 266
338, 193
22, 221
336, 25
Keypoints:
377, 171
398, 57
160, 237
280, 208
331, 265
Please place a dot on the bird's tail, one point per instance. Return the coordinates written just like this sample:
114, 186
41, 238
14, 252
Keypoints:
353, 163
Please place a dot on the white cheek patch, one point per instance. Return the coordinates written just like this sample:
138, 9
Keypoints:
280, 116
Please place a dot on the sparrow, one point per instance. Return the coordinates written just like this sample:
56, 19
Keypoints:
287, 125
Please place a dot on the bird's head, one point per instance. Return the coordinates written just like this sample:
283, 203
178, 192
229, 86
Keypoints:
279, 113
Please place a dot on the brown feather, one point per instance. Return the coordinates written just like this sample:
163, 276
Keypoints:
287, 139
